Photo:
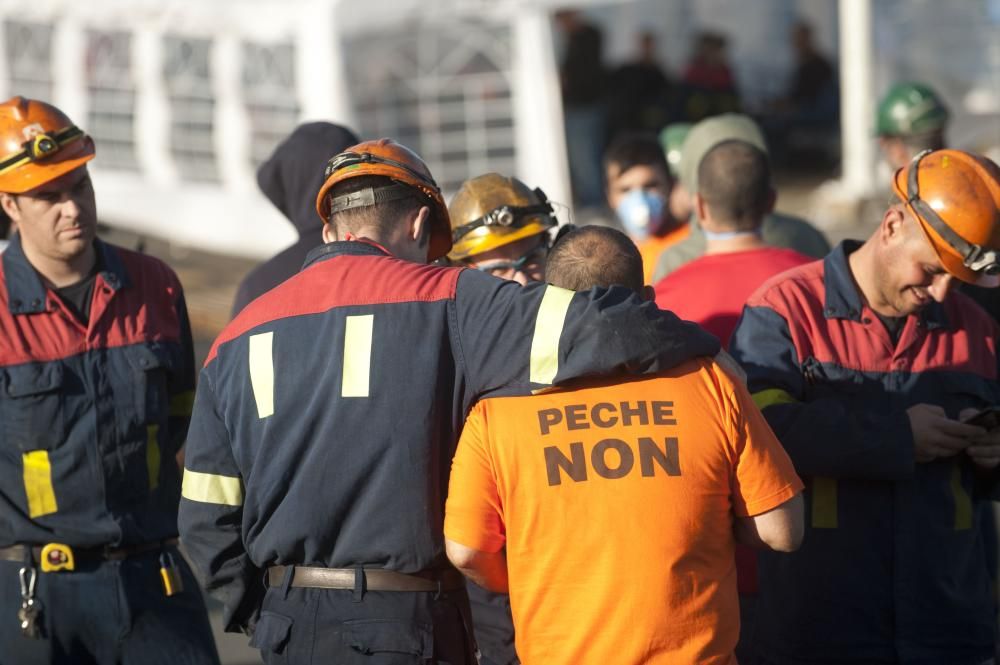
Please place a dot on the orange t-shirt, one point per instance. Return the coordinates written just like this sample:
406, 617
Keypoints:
616, 505
651, 248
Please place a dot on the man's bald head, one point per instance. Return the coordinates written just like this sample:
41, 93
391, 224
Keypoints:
734, 181
594, 256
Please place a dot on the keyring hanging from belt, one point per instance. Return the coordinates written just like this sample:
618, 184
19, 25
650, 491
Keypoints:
28, 615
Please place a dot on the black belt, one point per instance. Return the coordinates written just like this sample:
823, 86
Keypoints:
83, 554
375, 579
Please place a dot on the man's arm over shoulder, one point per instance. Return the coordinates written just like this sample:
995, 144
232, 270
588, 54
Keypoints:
836, 436
766, 492
211, 514
540, 335
473, 524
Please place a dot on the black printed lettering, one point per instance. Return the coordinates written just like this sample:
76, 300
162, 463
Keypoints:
662, 412
595, 415
547, 418
576, 416
575, 468
667, 459
598, 458
639, 410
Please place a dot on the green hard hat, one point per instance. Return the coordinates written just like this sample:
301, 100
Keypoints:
910, 108
672, 140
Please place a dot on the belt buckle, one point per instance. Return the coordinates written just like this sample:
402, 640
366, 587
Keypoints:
56, 557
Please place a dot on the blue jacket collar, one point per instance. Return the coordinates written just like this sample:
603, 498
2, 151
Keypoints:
341, 248
843, 299
25, 289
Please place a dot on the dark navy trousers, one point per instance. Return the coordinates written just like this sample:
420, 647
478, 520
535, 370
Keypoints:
108, 613
314, 626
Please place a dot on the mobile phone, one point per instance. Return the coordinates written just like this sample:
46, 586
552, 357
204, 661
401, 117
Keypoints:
988, 418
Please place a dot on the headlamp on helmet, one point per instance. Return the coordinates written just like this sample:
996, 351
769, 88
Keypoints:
506, 216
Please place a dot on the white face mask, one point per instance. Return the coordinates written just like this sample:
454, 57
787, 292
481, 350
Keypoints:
640, 211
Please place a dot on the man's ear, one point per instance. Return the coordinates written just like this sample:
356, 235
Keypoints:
329, 234
648, 293
891, 229
772, 198
420, 226
10, 207
701, 208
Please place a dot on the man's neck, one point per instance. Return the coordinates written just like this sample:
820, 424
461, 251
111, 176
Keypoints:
740, 242
59, 273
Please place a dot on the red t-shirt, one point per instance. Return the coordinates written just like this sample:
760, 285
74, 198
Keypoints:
712, 289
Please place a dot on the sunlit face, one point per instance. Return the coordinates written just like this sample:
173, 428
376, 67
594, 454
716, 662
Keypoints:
58, 220
522, 261
642, 176
911, 275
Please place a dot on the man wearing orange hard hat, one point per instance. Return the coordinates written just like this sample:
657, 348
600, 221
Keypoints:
881, 381
329, 409
96, 385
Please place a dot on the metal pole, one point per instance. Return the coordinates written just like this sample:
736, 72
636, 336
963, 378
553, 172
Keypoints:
856, 101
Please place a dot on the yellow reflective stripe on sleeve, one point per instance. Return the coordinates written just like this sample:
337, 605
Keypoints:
182, 404
548, 331
772, 396
963, 502
153, 456
357, 355
824, 503
38, 483
262, 373
212, 488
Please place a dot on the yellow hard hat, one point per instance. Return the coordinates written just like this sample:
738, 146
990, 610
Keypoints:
492, 210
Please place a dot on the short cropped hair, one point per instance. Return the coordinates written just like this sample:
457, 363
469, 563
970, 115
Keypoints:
594, 256
383, 215
734, 179
635, 149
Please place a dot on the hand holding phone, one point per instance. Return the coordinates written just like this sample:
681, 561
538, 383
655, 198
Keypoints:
988, 418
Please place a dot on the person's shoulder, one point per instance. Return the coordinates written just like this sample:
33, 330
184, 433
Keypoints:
142, 267
786, 230
692, 270
785, 256
802, 281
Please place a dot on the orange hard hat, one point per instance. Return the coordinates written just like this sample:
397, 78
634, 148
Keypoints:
385, 157
956, 197
38, 143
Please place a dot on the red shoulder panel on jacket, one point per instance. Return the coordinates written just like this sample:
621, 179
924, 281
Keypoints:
343, 281
967, 344
143, 311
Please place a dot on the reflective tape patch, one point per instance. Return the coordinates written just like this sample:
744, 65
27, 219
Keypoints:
212, 488
38, 483
357, 355
548, 331
182, 404
824, 503
262, 373
771, 397
153, 456
963, 502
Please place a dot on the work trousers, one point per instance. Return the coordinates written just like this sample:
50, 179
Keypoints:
343, 627
107, 613
493, 626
